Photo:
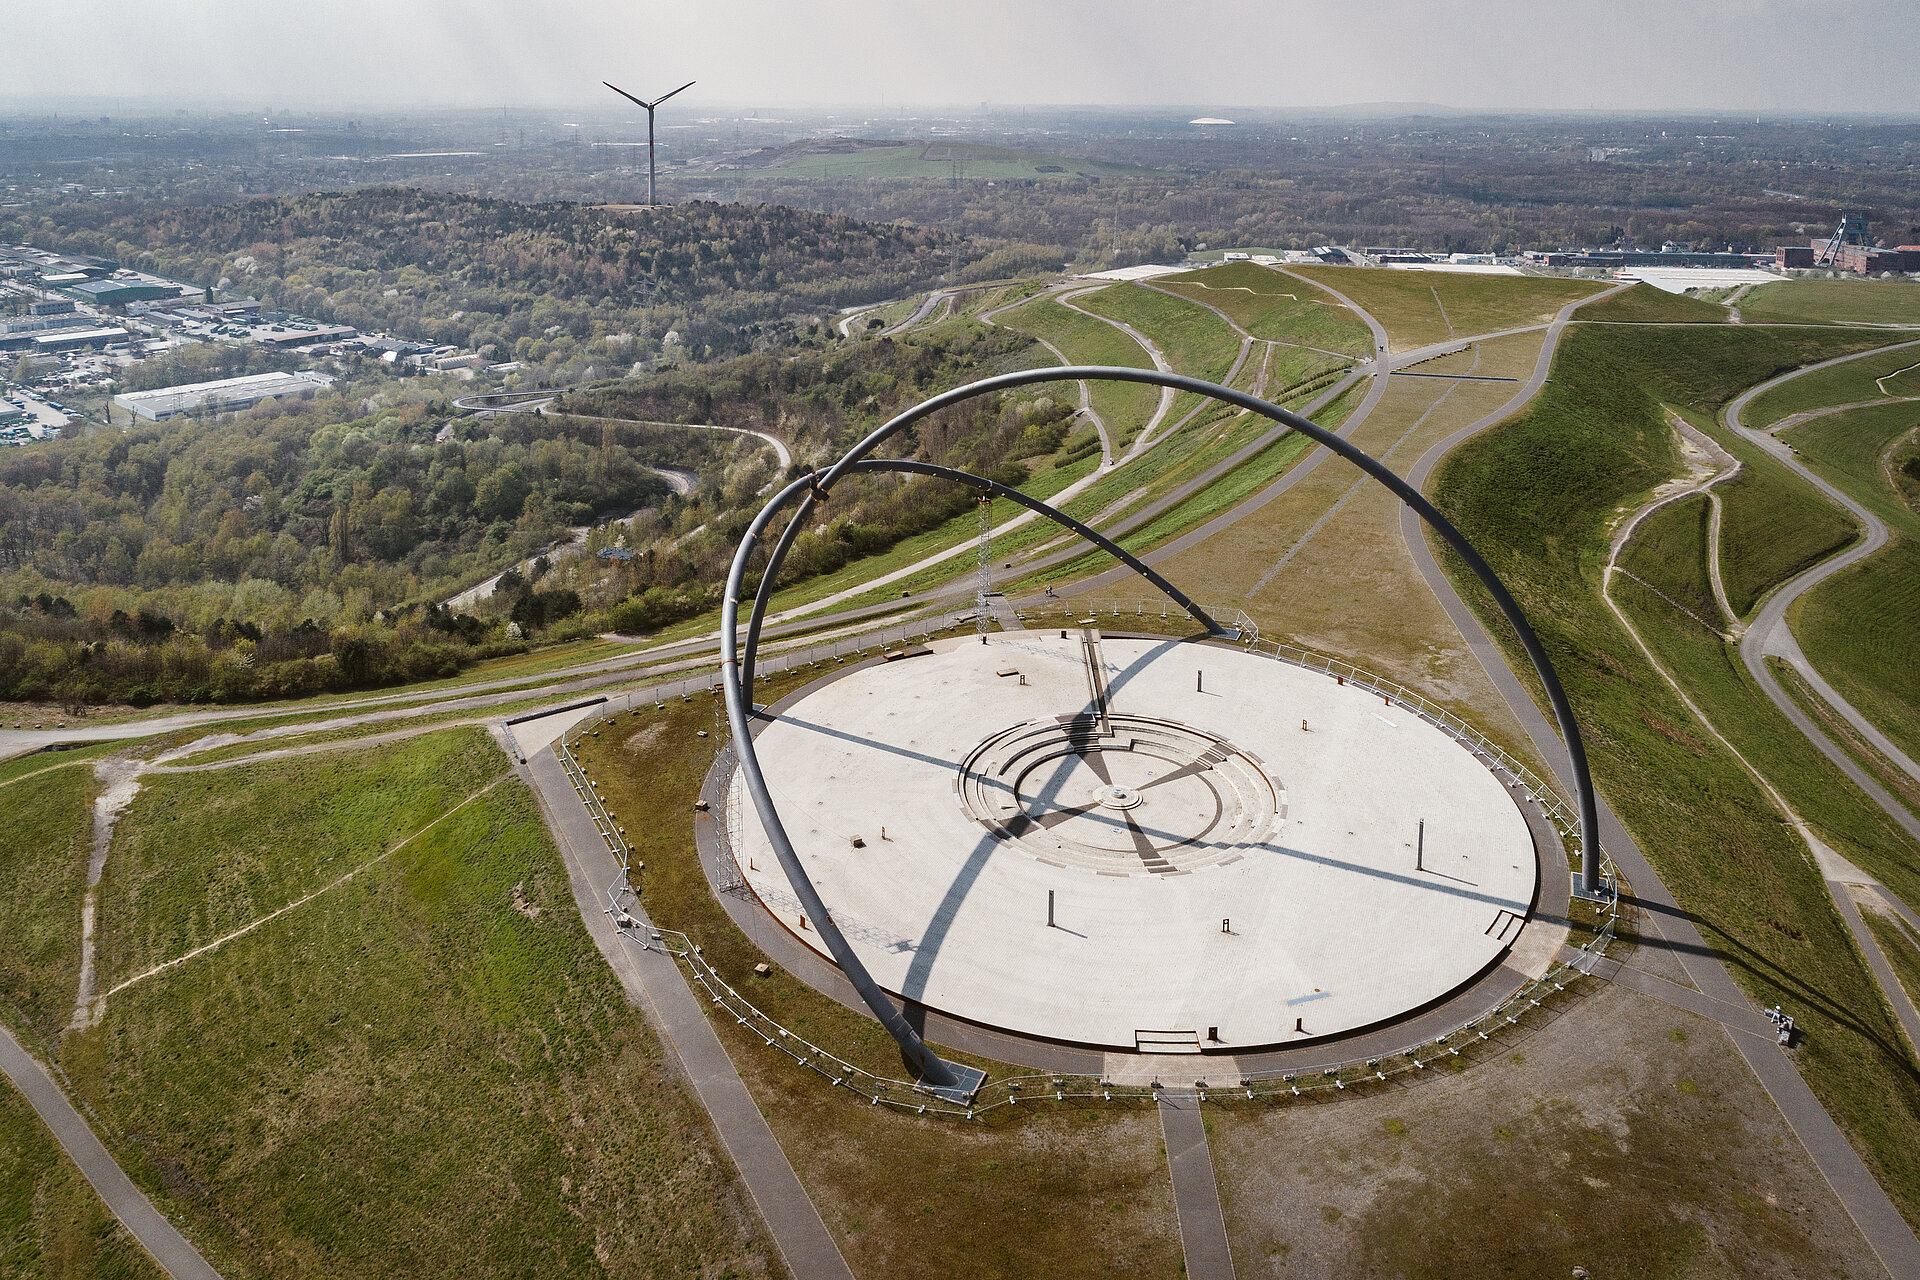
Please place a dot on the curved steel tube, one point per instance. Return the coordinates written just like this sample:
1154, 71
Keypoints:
819, 485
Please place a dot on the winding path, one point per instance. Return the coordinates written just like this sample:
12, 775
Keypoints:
1770, 636
1666, 923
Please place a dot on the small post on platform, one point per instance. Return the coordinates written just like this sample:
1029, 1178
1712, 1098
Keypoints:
1197, 678
1420, 848
1049, 908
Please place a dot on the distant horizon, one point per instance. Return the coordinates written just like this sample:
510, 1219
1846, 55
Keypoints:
1489, 56
762, 110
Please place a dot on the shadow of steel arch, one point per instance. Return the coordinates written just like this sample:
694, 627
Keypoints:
736, 664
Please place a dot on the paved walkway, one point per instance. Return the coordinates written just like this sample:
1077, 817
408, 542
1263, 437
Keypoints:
654, 982
1196, 1192
128, 1203
1770, 634
1886, 1232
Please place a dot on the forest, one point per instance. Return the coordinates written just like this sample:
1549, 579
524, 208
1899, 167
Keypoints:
512, 280
311, 546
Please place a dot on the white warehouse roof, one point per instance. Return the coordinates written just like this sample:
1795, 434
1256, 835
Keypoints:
225, 395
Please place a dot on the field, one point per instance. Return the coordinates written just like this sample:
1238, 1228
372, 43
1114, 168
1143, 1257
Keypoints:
1644, 304
1275, 307
1124, 407
47, 813
1850, 383
52, 1225
1537, 495
1419, 308
1835, 302
426, 1070
248, 857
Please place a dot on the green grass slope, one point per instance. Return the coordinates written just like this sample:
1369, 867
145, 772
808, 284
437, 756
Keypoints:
1773, 524
52, 1225
1419, 308
1854, 382
426, 1071
48, 818
256, 837
1537, 496
1193, 339
1835, 302
1276, 307
1861, 630
1858, 627
1644, 304
1668, 553
1124, 407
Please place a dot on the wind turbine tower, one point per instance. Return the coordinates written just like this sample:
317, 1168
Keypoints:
641, 102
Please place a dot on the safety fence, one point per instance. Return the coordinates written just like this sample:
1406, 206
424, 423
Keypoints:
1237, 1083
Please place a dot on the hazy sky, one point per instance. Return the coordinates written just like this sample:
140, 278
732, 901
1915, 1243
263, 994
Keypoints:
1767, 55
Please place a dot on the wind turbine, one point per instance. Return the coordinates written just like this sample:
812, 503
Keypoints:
649, 106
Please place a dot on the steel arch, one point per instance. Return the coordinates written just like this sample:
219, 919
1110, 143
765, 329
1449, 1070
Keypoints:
736, 664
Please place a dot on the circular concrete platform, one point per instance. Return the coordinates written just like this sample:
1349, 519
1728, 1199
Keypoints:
1236, 853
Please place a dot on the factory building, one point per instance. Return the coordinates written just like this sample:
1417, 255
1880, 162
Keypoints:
225, 396
106, 293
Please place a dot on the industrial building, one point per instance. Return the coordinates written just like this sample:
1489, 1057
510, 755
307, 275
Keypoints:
106, 293
225, 396
74, 339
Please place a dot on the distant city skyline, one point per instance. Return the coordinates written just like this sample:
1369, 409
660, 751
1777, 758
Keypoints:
1754, 56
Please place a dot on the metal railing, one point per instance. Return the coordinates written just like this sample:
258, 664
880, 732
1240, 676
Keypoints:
623, 907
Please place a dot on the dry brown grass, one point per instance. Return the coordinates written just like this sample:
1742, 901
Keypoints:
1625, 1136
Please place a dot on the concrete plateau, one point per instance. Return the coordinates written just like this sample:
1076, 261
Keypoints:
1233, 852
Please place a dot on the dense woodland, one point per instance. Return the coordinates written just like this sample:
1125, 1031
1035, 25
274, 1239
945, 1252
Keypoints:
562, 286
308, 546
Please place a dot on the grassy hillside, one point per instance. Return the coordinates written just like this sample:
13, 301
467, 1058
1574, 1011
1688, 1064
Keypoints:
1536, 496
1772, 525
1858, 628
1668, 554
1193, 339
48, 817
1644, 304
1419, 308
1275, 307
52, 1225
1849, 383
1124, 407
263, 835
1835, 301
425, 1071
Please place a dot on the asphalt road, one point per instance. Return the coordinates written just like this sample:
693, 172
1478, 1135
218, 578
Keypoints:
127, 1202
1769, 634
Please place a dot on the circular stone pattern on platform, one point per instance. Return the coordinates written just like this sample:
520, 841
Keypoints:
1225, 842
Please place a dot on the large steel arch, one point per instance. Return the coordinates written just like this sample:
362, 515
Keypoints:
736, 663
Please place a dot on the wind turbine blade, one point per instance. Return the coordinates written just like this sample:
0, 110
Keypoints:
683, 88
629, 97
